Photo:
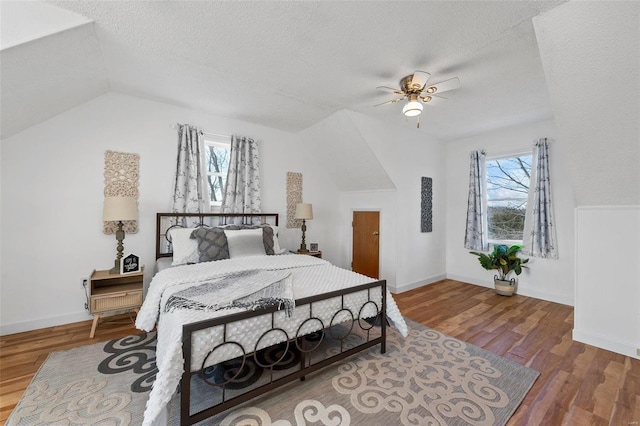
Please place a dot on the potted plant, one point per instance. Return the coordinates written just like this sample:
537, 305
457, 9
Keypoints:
505, 260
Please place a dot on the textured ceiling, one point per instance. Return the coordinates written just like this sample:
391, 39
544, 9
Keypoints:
289, 65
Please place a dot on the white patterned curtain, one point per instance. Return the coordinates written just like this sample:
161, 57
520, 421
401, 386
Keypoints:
475, 237
189, 191
242, 189
540, 232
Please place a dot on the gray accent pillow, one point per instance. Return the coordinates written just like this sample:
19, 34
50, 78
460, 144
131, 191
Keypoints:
267, 239
212, 244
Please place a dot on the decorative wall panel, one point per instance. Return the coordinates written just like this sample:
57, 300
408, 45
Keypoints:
294, 196
121, 174
426, 215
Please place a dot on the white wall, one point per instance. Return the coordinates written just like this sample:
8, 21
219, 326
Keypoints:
586, 44
607, 312
407, 155
546, 279
52, 193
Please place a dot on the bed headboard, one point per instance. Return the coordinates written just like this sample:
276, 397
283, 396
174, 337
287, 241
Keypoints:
166, 221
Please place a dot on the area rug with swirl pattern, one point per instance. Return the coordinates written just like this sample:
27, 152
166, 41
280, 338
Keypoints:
425, 378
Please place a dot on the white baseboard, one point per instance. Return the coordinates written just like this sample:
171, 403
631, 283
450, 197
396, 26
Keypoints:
417, 284
19, 327
556, 298
624, 348
470, 280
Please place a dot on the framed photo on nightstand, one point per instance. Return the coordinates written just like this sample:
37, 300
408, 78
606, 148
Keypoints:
130, 264
313, 247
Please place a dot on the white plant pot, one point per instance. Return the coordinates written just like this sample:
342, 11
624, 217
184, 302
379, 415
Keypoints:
505, 287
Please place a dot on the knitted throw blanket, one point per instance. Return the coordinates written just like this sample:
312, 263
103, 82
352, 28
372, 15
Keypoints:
252, 289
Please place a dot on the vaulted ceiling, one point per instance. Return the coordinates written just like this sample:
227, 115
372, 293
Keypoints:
286, 65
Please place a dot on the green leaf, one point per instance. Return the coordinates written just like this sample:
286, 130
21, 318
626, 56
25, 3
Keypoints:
503, 259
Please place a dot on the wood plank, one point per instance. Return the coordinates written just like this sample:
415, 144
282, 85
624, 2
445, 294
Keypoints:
605, 394
578, 416
503, 342
545, 402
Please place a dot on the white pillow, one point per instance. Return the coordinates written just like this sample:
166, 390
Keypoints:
185, 249
245, 242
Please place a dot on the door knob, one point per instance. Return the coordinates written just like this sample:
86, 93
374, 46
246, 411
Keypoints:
376, 233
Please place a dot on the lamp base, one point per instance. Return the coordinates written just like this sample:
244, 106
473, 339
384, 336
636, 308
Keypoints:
303, 245
119, 238
116, 267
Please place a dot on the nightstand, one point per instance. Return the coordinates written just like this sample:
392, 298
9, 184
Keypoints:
311, 253
114, 292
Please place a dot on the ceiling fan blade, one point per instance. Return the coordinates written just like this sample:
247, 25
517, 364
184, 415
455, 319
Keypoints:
419, 79
390, 89
392, 101
432, 99
443, 86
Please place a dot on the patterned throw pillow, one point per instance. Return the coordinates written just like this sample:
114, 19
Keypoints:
212, 244
267, 239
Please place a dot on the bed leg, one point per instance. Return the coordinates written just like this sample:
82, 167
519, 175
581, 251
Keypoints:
383, 330
303, 356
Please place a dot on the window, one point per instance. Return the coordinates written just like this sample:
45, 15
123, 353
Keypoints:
507, 192
217, 152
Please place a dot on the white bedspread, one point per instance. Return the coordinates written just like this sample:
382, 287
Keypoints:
310, 276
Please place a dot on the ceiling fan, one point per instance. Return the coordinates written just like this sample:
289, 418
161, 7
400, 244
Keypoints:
414, 88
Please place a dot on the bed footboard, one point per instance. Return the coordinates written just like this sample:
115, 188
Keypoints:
309, 340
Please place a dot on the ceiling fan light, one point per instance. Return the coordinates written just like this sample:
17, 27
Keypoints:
411, 109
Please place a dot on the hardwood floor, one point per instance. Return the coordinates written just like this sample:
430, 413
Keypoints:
578, 384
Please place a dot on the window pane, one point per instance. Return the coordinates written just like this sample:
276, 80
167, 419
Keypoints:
217, 159
507, 191
217, 163
216, 186
506, 220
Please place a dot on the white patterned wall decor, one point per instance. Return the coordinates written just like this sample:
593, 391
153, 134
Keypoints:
294, 196
121, 174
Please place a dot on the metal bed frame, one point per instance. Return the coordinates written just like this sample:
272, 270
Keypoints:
375, 296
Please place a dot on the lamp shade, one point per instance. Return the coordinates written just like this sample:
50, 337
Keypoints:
119, 208
411, 109
304, 211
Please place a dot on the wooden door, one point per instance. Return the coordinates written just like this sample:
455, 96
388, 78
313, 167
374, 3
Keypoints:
366, 245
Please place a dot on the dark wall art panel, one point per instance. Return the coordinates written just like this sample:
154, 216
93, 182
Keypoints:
426, 214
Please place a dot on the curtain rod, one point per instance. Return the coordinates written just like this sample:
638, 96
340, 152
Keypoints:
218, 135
513, 152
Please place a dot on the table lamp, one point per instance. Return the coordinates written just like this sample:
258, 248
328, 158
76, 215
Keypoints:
119, 209
304, 211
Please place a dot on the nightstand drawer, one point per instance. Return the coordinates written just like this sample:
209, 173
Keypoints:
116, 300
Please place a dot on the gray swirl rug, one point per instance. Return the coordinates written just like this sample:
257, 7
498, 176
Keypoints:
427, 378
